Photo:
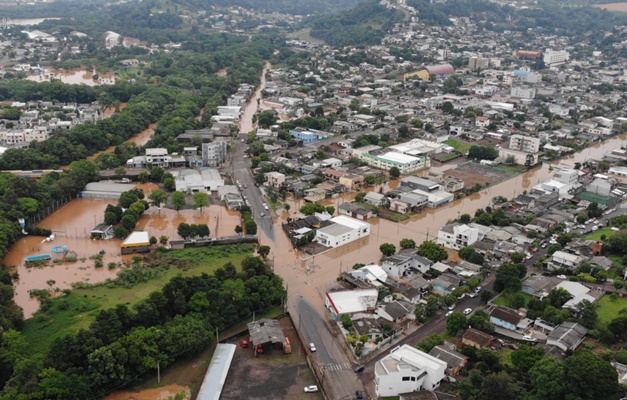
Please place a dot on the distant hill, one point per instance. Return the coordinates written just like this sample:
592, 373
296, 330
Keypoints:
364, 24
295, 7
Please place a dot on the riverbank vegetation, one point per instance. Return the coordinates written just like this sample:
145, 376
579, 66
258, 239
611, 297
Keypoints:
117, 346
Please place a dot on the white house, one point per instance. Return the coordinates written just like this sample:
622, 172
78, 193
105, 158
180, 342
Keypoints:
407, 369
405, 264
456, 236
343, 230
351, 301
373, 274
561, 259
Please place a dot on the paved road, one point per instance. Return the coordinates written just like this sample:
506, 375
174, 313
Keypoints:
239, 169
337, 377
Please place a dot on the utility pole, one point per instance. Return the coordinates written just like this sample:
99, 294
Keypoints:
158, 373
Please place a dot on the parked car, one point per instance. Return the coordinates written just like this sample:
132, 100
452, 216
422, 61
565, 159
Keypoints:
477, 289
562, 277
312, 347
449, 313
452, 306
359, 368
358, 395
473, 295
467, 311
529, 338
311, 389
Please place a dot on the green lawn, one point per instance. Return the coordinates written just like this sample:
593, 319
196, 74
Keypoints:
77, 310
596, 235
458, 146
608, 309
506, 299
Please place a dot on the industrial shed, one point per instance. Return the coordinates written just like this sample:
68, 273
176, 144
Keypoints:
212, 385
105, 190
136, 242
267, 333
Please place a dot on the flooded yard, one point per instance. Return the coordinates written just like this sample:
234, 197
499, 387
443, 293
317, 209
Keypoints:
79, 76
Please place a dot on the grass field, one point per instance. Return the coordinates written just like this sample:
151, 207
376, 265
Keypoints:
77, 310
506, 299
596, 235
608, 309
458, 146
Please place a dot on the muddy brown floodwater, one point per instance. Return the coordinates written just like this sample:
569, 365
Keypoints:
140, 139
79, 76
246, 122
310, 279
160, 393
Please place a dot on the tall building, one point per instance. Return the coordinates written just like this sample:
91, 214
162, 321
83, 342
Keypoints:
478, 62
555, 57
214, 153
527, 144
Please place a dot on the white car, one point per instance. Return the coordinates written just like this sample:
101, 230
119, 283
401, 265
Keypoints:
473, 295
562, 277
312, 347
311, 389
449, 313
467, 311
529, 338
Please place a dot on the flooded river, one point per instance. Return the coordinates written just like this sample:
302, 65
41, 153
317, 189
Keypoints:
74, 76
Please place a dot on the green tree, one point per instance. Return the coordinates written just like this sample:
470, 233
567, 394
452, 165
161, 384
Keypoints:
548, 379
527, 356
508, 278
387, 249
510, 160
432, 251
407, 243
330, 210
590, 378
203, 230
263, 251
465, 218
127, 198
238, 229
498, 386
158, 197
582, 217
163, 240
456, 322
251, 227
395, 173
178, 200
184, 230
201, 200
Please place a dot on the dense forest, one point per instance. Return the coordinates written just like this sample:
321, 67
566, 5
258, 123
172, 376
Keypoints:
124, 344
365, 24
297, 7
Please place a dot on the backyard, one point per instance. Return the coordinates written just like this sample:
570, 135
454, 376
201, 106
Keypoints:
596, 235
610, 307
459, 147
509, 299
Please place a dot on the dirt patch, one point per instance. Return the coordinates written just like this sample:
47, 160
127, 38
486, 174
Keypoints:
621, 7
473, 174
272, 375
160, 393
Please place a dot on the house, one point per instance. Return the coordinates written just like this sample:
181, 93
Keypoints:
102, 231
479, 340
578, 291
400, 312
274, 179
369, 325
374, 199
355, 211
509, 319
351, 301
351, 181
539, 286
456, 236
454, 361
341, 231
602, 262
407, 369
445, 283
561, 259
567, 336
406, 263
373, 274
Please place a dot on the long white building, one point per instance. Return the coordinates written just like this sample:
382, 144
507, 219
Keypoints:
343, 231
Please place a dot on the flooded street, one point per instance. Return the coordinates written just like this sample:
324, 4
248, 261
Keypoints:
310, 279
246, 121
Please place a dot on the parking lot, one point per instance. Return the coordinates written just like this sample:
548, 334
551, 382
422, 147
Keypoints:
272, 375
